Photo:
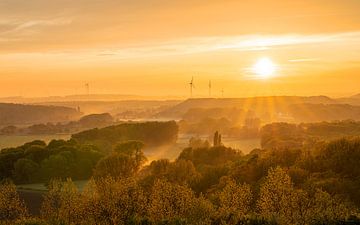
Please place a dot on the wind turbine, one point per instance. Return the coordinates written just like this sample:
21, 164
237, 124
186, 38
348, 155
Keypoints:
209, 88
87, 87
191, 86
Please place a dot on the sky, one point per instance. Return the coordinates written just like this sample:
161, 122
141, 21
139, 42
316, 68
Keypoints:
155, 47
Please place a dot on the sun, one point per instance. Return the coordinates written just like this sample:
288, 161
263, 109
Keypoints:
264, 68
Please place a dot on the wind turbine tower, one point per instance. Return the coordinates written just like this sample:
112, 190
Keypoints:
209, 88
87, 87
191, 86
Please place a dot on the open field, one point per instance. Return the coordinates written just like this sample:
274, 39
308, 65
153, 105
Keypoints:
80, 184
32, 194
173, 151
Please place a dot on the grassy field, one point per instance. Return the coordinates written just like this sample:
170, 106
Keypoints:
33, 194
14, 141
80, 184
172, 151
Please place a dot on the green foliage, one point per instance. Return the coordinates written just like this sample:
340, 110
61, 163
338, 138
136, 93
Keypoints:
129, 147
180, 172
150, 133
210, 156
284, 135
198, 143
342, 156
25, 170
37, 162
311, 184
125, 161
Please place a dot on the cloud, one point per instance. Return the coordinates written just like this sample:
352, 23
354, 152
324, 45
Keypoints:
16, 28
304, 60
347, 43
232, 43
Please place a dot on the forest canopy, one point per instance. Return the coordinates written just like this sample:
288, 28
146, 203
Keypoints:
206, 183
150, 133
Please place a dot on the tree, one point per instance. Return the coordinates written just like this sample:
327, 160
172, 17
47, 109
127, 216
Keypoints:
202, 211
133, 149
58, 166
118, 201
160, 168
217, 139
37, 153
325, 208
125, 161
276, 195
24, 170
11, 207
198, 143
234, 201
61, 203
182, 172
170, 201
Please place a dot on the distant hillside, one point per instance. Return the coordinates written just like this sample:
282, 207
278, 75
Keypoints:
356, 96
118, 108
323, 112
280, 135
91, 97
17, 114
263, 106
86, 122
352, 100
96, 120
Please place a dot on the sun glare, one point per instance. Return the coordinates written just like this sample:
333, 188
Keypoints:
264, 68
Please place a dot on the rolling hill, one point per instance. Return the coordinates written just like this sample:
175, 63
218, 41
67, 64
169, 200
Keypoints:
19, 114
261, 105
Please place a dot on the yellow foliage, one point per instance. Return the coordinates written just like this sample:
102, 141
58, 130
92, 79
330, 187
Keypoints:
11, 207
234, 201
170, 201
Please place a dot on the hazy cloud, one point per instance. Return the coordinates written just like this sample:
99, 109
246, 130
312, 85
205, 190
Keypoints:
16, 26
37, 25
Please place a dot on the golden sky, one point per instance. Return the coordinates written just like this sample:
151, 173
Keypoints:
154, 47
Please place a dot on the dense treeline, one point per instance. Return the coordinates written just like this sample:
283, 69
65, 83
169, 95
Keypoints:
38, 162
210, 185
13, 114
85, 122
280, 135
151, 133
